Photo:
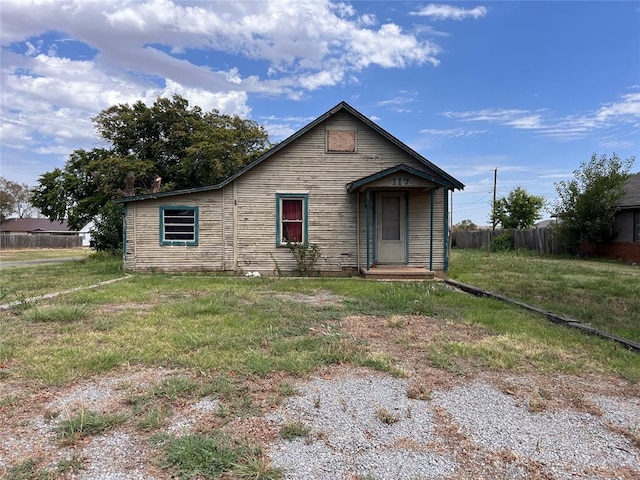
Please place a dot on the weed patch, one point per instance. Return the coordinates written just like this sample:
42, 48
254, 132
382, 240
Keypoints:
385, 416
57, 313
87, 422
29, 470
294, 430
215, 454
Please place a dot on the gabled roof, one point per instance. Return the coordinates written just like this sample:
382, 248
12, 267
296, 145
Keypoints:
353, 186
631, 198
342, 106
33, 225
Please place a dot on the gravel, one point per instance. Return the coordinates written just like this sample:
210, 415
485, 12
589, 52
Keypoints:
115, 456
569, 444
362, 425
182, 424
348, 439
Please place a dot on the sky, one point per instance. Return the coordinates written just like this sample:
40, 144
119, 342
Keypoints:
530, 88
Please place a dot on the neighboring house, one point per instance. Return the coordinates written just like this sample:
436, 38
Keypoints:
545, 223
342, 183
85, 234
626, 244
35, 226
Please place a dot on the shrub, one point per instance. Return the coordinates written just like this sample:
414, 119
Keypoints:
306, 256
503, 243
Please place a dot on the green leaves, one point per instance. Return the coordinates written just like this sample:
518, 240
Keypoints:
586, 204
517, 210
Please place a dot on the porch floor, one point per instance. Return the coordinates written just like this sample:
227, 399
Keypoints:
397, 272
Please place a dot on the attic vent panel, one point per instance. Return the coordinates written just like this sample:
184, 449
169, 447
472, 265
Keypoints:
343, 141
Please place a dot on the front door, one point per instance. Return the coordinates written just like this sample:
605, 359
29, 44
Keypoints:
391, 228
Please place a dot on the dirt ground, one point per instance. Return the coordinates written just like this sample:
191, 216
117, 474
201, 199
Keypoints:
29, 414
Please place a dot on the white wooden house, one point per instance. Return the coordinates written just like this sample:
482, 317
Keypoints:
343, 183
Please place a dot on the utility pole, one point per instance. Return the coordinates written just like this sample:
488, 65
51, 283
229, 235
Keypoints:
493, 205
493, 211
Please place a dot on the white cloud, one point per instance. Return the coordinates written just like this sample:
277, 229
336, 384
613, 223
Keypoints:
563, 128
449, 12
138, 51
452, 132
628, 106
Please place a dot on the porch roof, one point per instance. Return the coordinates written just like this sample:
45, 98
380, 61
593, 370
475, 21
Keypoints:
400, 168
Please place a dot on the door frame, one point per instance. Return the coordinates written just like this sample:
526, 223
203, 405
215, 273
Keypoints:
404, 229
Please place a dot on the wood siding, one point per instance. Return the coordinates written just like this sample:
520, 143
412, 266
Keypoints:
143, 250
237, 224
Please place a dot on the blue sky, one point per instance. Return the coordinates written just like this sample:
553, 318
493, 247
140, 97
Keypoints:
530, 88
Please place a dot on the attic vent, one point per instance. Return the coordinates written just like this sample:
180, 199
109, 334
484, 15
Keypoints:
341, 141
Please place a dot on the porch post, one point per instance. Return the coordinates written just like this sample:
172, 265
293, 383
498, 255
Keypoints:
431, 234
358, 231
445, 197
124, 235
406, 227
368, 226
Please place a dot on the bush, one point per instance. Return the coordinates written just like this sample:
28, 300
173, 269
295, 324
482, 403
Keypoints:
306, 256
503, 243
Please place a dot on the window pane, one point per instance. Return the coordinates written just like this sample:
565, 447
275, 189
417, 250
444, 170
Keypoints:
292, 209
179, 228
292, 231
179, 236
179, 213
390, 218
174, 220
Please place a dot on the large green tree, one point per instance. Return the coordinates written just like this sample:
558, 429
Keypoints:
586, 205
518, 209
169, 140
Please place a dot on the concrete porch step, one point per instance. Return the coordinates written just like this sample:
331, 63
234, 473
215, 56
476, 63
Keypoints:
397, 272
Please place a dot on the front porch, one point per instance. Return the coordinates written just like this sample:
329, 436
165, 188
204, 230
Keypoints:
396, 272
401, 223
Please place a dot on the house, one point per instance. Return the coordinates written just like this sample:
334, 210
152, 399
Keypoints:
626, 245
35, 226
86, 234
342, 183
545, 223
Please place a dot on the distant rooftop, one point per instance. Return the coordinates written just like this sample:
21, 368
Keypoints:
631, 199
33, 225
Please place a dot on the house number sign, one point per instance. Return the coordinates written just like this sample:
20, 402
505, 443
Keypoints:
400, 181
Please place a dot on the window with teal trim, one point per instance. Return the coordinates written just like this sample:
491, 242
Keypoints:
178, 225
291, 218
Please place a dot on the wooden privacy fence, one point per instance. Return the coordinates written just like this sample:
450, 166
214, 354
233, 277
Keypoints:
30, 242
543, 240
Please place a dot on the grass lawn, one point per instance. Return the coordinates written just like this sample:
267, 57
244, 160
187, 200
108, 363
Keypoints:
43, 254
602, 293
21, 283
261, 326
